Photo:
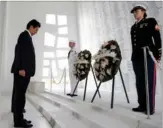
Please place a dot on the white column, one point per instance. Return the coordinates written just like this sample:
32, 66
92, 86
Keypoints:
161, 24
2, 24
159, 18
3, 49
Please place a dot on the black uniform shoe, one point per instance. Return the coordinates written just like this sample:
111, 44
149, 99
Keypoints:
27, 121
74, 95
151, 112
138, 109
23, 125
24, 111
69, 94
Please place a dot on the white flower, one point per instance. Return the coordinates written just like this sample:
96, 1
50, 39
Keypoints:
103, 72
96, 66
114, 61
107, 61
103, 64
104, 50
81, 67
113, 47
108, 71
101, 77
86, 55
113, 54
78, 70
82, 72
82, 58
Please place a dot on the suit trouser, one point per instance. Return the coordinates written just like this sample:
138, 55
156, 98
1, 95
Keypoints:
19, 91
138, 66
12, 102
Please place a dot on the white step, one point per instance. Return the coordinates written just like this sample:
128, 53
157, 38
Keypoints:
119, 111
6, 117
56, 116
94, 118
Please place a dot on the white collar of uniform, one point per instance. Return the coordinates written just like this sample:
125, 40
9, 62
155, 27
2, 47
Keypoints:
73, 49
29, 33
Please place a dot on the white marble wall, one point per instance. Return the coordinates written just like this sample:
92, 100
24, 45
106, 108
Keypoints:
2, 40
99, 21
16, 22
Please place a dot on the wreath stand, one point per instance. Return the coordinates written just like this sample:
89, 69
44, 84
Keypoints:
85, 89
113, 85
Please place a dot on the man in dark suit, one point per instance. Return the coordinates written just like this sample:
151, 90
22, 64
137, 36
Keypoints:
145, 33
23, 69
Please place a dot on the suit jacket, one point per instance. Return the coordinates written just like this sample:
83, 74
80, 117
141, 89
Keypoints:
144, 34
24, 55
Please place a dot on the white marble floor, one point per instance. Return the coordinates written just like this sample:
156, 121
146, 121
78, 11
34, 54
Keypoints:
121, 106
6, 119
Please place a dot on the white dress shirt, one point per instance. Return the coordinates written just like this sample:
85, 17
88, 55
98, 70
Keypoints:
29, 33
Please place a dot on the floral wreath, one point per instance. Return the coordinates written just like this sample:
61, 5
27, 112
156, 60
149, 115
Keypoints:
107, 61
83, 64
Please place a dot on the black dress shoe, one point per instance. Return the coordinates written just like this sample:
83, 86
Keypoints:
28, 121
138, 109
23, 125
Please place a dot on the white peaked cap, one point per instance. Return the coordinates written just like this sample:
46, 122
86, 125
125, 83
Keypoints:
139, 5
72, 41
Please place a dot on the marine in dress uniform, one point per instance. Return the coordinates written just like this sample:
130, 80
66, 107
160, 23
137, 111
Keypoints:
145, 32
72, 56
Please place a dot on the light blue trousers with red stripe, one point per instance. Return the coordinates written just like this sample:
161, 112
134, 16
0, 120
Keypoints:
138, 66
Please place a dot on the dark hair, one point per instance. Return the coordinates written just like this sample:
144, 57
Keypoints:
145, 15
33, 23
